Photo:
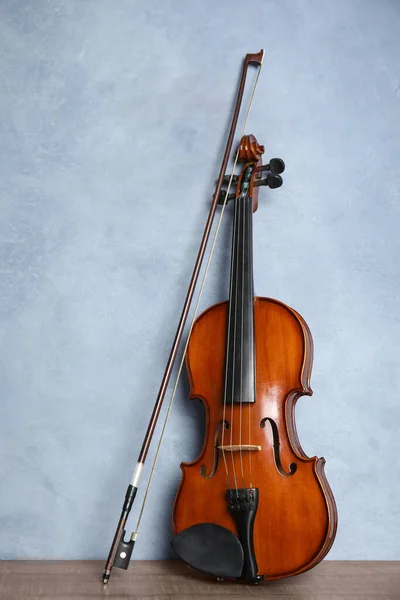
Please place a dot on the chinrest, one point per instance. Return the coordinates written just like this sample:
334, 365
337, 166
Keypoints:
210, 548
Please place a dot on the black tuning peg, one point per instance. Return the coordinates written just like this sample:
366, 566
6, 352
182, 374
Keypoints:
276, 166
227, 178
222, 196
272, 181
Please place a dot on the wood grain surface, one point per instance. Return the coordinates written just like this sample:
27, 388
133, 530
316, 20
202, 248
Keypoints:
296, 517
167, 580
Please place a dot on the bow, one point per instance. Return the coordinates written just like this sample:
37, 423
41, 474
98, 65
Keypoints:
121, 550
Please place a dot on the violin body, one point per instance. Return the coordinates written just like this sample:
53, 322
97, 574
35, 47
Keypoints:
295, 521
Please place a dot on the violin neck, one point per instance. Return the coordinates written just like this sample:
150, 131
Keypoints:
239, 384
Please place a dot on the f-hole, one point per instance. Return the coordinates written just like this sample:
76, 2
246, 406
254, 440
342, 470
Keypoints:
203, 468
276, 446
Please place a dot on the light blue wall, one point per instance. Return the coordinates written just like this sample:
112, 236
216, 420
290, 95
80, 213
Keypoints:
113, 119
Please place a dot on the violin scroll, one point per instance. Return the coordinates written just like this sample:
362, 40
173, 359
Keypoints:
249, 149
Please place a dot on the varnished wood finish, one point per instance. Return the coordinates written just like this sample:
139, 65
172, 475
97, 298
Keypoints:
250, 149
255, 58
172, 580
296, 520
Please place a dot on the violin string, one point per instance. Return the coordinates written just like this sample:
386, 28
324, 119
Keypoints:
243, 203
252, 345
228, 355
154, 464
234, 301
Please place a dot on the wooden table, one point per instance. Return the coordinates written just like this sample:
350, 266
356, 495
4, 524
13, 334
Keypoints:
172, 580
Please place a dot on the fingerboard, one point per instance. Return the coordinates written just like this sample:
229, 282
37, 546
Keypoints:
239, 374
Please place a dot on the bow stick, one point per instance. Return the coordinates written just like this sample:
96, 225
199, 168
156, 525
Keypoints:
121, 550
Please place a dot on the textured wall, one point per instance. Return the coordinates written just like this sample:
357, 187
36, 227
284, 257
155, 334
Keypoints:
113, 117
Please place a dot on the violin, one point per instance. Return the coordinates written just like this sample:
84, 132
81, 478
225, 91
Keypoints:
253, 506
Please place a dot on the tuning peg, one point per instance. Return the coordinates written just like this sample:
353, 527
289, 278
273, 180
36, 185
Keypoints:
276, 166
222, 196
272, 181
227, 178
